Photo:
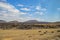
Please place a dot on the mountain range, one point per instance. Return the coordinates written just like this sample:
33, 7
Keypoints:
29, 22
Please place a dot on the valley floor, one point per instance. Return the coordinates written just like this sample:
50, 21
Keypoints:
36, 34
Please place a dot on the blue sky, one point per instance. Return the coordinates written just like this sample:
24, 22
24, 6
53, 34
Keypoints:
23, 10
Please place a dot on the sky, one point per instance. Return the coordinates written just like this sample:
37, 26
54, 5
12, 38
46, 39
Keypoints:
24, 10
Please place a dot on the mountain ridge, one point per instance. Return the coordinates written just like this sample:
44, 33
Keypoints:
28, 22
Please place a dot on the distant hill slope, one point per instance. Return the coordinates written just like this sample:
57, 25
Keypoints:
13, 22
35, 22
2, 21
30, 22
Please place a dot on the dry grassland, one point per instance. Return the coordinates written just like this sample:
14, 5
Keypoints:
36, 34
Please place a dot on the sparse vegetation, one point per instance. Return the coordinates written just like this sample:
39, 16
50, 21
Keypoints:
36, 34
58, 30
23, 31
27, 26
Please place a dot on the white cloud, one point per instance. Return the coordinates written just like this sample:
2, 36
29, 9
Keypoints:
9, 12
58, 9
43, 9
5, 15
40, 13
31, 15
30, 18
21, 5
3, 0
31, 6
37, 12
23, 13
9, 7
5, 7
38, 8
25, 9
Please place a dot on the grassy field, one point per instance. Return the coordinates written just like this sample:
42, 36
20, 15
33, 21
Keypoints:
36, 34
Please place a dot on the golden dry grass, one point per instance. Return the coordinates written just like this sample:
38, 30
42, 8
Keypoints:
36, 34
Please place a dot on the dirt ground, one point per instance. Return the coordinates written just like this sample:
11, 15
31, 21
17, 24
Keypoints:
36, 34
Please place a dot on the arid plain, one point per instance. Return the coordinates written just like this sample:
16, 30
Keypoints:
34, 34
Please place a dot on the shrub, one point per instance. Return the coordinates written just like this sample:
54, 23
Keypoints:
58, 30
